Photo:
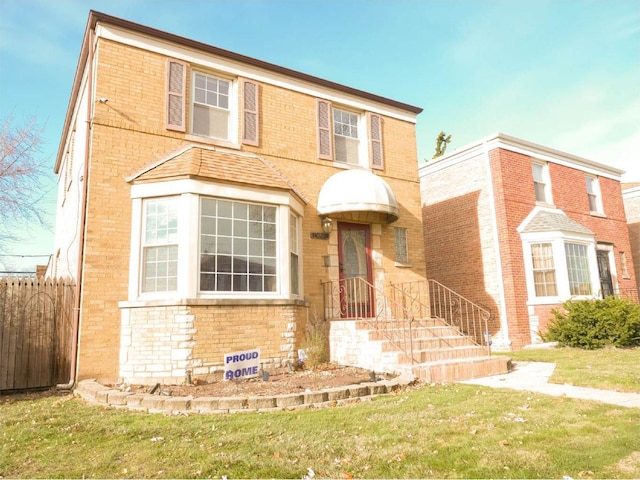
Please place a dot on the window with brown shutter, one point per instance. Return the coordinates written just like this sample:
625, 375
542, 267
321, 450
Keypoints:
325, 147
375, 133
176, 85
250, 118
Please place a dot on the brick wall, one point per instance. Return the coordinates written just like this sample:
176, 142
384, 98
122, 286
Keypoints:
128, 134
459, 237
632, 209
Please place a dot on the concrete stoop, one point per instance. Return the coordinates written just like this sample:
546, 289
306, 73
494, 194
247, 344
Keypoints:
93, 391
443, 354
455, 370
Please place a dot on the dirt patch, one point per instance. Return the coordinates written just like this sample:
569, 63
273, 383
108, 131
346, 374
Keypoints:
278, 383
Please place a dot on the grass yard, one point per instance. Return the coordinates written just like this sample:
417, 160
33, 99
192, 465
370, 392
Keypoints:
608, 368
444, 431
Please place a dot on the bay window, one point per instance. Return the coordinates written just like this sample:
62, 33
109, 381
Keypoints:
188, 241
559, 267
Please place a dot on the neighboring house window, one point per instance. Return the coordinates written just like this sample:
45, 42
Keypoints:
211, 106
540, 182
578, 269
237, 246
401, 250
295, 252
544, 273
160, 245
345, 139
593, 194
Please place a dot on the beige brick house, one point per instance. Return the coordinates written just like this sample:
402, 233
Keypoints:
520, 228
212, 203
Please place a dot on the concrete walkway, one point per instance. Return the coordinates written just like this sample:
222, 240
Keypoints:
534, 377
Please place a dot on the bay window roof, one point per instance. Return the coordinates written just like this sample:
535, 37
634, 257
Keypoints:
545, 220
213, 164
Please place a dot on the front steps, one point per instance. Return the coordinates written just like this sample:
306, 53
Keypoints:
441, 354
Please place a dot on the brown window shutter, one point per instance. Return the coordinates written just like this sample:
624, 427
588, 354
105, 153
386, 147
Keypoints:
176, 85
325, 137
375, 141
250, 113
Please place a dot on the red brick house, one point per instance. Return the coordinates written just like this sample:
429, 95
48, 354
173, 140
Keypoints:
520, 228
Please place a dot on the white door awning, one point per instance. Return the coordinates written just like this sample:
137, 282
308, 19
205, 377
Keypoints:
358, 195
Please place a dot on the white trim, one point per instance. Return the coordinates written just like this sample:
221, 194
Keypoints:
540, 152
631, 192
208, 60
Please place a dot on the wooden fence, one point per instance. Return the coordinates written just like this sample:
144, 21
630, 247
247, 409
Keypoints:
36, 329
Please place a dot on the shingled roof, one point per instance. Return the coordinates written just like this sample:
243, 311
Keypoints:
546, 221
211, 164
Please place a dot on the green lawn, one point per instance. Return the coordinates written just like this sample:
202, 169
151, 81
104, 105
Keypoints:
444, 431
607, 368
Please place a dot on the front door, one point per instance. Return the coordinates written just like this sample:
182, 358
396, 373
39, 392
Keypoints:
604, 269
354, 257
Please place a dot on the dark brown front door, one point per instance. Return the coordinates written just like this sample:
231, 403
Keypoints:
604, 269
354, 255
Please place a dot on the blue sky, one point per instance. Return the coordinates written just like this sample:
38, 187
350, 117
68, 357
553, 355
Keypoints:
562, 73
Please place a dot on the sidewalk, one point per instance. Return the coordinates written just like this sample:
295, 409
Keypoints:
534, 377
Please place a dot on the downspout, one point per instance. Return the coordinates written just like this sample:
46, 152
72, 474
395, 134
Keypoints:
83, 212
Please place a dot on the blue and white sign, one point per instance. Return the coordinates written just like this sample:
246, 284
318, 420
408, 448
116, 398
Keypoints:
240, 365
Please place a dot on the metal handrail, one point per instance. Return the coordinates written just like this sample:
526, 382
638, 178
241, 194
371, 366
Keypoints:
355, 298
457, 311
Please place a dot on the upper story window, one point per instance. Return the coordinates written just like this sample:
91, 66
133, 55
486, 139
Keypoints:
593, 194
345, 139
211, 106
219, 105
541, 182
348, 137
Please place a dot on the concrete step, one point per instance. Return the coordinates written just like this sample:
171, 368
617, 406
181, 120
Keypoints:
451, 341
416, 332
446, 371
443, 354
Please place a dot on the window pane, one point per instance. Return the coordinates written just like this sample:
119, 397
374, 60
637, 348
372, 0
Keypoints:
578, 269
401, 245
244, 237
160, 252
544, 274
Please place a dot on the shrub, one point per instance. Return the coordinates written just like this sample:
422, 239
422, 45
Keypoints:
315, 342
591, 324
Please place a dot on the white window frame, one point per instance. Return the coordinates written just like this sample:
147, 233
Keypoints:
593, 192
233, 107
147, 244
361, 132
188, 193
546, 181
558, 241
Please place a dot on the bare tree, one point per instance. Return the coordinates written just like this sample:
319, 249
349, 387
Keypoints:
21, 173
